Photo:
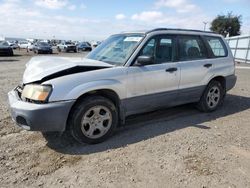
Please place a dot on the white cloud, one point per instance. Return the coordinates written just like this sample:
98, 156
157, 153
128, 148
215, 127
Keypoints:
31, 22
83, 6
72, 7
52, 4
120, 16
154, 19
147, 16
232, 1
181, 6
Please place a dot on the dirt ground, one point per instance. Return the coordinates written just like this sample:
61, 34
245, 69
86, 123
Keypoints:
177, 147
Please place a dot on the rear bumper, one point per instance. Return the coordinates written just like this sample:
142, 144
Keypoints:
39, 117
230, 82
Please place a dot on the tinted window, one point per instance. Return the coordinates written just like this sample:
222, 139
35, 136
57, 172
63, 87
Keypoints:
160, 48
216, 46
191, 48
164, 50
3, 43
42, 44
149, 49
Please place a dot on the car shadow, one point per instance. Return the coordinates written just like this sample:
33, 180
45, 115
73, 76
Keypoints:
149, 125
8, 60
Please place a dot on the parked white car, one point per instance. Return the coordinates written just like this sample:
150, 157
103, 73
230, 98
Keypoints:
66, 47
25, 45
127, 74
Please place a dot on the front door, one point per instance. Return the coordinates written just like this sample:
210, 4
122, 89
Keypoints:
155, 85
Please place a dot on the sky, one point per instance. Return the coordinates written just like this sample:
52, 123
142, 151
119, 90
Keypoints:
97, 19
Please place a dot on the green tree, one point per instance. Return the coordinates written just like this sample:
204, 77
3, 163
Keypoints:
227, 24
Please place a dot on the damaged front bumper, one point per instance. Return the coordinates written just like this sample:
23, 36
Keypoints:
39, 117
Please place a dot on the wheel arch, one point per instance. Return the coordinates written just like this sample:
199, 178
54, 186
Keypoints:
220, 79
107, 93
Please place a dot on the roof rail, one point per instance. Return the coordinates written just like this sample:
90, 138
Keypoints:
172, 29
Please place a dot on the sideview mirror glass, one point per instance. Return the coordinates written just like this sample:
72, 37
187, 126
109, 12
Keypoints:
144, 60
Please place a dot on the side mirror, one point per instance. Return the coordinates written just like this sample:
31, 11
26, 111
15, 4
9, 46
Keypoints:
144, 60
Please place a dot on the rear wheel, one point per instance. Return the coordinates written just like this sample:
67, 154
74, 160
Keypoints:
212, 97
93, 120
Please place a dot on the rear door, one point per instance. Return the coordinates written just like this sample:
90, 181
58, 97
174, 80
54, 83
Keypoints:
196, 67
155, 85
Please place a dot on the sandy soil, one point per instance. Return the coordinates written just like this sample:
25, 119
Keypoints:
177, 147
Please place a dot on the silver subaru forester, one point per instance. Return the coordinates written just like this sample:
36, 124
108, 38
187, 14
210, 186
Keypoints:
128, 73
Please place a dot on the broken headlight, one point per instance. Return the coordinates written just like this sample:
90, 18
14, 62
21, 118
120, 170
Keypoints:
36, 92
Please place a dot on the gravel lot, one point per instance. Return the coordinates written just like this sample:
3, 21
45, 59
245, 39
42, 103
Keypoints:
177, 147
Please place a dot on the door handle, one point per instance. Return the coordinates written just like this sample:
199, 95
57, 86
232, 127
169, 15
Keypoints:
173, 69
208, 65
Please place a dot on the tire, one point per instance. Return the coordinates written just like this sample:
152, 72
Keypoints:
212, 97
93, 120
11, 53
75, 51
58, 49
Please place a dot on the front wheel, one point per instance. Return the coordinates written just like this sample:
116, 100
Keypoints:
93, 120
212, 97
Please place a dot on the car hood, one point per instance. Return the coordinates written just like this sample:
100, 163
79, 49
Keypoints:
45, 68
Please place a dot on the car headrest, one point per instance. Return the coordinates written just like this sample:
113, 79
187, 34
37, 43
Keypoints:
193, 52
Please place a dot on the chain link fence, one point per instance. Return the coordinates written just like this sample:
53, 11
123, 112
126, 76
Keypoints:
240, 46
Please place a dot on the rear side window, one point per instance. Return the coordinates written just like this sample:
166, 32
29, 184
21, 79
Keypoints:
217, 46
191, 48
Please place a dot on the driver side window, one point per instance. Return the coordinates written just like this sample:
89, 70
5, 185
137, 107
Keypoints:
160, 49
149, 49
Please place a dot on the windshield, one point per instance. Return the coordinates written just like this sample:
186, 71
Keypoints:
84, 44
116, 49
42, 44
4, 43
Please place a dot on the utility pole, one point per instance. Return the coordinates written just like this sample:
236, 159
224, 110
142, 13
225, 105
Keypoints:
205, 24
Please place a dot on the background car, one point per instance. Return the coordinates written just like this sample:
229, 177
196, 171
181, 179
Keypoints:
66, 47
84, 46
42, 47
5, 49
13, 44
25, 45
95, 44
